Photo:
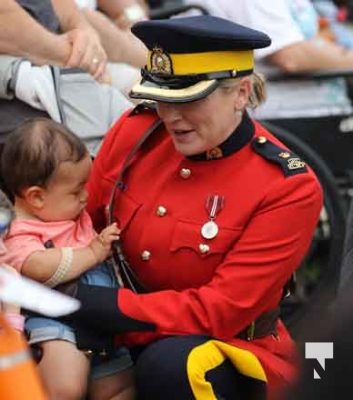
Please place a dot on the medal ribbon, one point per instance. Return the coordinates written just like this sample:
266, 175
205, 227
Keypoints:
214, 204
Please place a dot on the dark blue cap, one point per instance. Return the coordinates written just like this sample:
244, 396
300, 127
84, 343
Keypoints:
184, 52
198, 34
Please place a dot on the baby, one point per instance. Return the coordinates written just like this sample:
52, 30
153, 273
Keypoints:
52, 240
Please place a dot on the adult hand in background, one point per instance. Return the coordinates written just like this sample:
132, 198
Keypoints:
87, 52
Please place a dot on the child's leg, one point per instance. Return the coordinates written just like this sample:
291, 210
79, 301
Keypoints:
64, 370
114, 387
113, 378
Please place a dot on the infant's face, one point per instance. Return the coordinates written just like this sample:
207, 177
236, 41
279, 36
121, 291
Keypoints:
66, 195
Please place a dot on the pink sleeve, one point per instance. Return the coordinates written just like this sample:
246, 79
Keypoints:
20, 247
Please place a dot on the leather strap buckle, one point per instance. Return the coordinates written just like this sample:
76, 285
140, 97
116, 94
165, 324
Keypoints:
264, 325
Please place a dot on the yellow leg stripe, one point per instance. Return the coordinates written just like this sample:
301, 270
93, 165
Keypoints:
211, 354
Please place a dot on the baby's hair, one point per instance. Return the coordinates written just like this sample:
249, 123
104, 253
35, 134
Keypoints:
34, 151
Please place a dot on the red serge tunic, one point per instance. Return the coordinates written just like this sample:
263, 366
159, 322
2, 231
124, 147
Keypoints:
208, 286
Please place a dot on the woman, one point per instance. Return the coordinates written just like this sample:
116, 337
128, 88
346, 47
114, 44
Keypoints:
215, 214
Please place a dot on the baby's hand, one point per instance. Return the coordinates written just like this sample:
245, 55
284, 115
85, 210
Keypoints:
101, 244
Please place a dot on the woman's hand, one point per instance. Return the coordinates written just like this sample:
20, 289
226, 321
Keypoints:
101, 244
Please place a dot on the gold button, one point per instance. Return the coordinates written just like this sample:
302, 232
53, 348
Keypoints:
161, 211
284, 154
145, 255
261, 139
204, 248
185, 173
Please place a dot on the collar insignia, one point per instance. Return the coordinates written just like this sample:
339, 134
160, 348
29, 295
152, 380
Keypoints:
214, 153
295, 163
161, 63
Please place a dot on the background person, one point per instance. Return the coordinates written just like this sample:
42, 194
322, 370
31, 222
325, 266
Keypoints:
296, 47
215, 215
126, 53
78, 45
52, 241
31, 82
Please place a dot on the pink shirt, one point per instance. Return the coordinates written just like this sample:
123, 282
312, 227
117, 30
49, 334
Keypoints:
27, 236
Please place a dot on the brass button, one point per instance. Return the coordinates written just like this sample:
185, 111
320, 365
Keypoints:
261, 139
284, 154
161, 211
185, 173
145, 255
204, 248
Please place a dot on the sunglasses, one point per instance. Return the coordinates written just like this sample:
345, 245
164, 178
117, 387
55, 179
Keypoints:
5, 220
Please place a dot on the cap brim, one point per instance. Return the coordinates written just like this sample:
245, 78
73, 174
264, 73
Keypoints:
151, 91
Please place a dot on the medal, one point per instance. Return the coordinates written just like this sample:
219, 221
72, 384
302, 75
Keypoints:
214, 204
209, 230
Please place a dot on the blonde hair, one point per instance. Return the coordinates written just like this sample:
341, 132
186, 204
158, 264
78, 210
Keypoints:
258, 88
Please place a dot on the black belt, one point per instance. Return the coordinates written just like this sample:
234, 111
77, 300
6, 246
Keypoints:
264, 325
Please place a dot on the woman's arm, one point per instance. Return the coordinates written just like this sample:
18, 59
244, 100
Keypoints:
248, 282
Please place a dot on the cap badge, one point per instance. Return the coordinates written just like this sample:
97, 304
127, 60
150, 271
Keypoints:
161, 63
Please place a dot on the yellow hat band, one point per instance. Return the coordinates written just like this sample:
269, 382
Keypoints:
199, 63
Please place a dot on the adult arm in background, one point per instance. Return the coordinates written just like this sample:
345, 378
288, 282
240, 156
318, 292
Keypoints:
38, 45
124, 13
289, 51
300, 55
87, 51
120, 44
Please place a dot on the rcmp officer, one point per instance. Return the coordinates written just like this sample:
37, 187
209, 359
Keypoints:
215, 213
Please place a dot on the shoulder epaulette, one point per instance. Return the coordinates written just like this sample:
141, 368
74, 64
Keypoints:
144, 105
290, 163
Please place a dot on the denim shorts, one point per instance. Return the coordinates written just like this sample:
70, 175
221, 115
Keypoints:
45, 329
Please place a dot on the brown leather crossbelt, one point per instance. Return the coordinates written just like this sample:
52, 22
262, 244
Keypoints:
264, 325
